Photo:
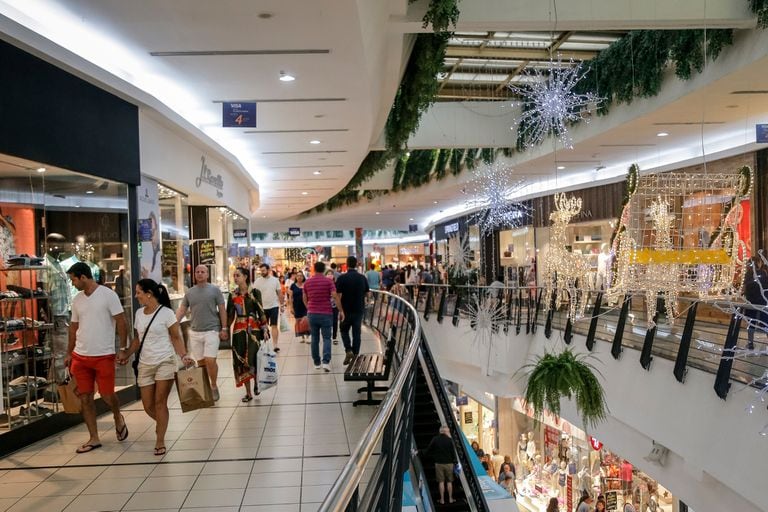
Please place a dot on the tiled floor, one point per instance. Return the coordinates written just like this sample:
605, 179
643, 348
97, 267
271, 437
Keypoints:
279, 453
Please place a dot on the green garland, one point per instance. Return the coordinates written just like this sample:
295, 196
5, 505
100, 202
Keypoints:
760, 8
565, 375
441, 14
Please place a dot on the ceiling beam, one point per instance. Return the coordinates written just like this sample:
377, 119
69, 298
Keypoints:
514, 53
461, 93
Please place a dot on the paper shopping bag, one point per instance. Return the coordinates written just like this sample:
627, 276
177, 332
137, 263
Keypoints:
301, 326
194, 388
68, 397
267, 366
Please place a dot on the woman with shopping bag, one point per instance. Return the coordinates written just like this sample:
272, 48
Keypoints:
247, 322
156, 342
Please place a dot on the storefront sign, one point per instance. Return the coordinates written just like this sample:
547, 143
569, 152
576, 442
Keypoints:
761, 135
468, 417
205, 251
612, 500
240, 233
294, 231
462, 400
170, 252
238, 115
452, 228
596, 445
207, 176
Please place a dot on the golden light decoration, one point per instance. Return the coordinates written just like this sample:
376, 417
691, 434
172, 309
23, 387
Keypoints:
678, 234
565, 273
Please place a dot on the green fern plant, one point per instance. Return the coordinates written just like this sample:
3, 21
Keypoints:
553, 377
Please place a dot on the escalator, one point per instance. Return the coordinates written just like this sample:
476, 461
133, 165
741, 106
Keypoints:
426, 423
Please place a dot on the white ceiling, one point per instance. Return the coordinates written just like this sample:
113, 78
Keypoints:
326, 44
366, 53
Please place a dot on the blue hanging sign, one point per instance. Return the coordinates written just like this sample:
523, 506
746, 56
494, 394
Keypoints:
238, 115
761, 133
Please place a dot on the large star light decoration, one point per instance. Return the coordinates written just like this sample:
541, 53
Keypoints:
486, 317
549, 103
493, 186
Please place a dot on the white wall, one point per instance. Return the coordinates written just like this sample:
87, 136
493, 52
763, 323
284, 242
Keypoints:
175, 160
718, 458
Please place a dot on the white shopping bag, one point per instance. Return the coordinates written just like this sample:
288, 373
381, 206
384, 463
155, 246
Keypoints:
266, 359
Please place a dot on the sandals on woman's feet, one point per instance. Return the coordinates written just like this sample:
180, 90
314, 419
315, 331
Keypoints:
160, 450
246, 398
122, 433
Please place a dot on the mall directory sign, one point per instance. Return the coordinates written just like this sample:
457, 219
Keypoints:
238, 115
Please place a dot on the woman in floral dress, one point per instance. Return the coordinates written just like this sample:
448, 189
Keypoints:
247, 322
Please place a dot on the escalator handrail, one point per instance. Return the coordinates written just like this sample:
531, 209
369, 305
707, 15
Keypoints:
346, 484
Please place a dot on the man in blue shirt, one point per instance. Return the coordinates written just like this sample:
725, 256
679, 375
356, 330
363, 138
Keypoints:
374, 277
352, 288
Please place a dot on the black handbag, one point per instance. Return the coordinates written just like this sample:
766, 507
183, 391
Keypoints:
135, 363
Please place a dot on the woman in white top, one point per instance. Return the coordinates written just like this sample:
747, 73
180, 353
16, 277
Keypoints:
156, 324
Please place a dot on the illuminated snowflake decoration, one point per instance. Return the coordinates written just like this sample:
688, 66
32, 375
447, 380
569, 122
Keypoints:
550, 104
492, 187
486, 317
462, 255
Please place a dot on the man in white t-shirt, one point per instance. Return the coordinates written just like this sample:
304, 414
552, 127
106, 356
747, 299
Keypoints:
271, 300
96, 311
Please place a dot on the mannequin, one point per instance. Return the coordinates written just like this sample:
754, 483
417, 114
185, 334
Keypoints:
563, 451
536, 469
562, 478
530, 447
585, 481
522, 456
603, 268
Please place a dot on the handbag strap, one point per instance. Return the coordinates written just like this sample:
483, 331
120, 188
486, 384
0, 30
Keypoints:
144, 336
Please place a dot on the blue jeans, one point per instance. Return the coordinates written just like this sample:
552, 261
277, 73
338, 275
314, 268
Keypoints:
353, 320
318, 323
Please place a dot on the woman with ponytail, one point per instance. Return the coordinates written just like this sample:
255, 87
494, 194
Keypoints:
248, 321
157, 339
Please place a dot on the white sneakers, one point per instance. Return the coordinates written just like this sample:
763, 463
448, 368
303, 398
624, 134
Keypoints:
317, 367
327, 367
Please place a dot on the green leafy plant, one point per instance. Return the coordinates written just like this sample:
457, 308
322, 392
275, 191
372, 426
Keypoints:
441, 14
553, 377
760, 8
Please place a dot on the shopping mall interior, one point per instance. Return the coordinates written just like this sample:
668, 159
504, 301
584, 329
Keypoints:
546, 218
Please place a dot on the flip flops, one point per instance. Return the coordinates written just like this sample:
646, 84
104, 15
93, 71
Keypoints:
122, 433
160, 450
246, 398
88, 448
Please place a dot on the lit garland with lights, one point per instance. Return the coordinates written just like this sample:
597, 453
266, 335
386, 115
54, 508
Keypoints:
550, 104
486, 317
663, 250
565, 272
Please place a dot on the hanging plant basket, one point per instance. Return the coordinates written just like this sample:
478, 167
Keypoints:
566, 375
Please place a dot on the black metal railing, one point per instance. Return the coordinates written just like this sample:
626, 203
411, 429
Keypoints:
391, 431
707, 336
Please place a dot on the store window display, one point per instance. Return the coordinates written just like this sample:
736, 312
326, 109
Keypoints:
51, 219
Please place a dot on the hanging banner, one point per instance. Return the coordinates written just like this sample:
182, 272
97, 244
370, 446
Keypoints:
148, 230
359, 245
238, 115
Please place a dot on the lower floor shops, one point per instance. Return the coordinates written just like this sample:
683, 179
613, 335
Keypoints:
552, 458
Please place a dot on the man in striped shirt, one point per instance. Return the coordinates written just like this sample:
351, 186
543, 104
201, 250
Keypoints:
318, 292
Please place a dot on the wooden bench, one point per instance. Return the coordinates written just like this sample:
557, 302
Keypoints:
371, 368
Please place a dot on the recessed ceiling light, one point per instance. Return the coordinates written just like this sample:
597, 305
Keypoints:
89, 191
304, 193
285, 77
315, 141
41, 170
378, 213
411, 218
662, 134
434, 202
317, 173
560, 167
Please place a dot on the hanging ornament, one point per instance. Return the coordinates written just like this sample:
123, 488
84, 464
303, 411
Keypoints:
550, 104
492, 186
486, 317
566, 274
461, 253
